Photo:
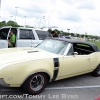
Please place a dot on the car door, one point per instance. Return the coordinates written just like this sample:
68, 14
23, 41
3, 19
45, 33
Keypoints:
75, 64
4, 37
25, 38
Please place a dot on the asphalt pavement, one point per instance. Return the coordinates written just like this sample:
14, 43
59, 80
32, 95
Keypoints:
84, 87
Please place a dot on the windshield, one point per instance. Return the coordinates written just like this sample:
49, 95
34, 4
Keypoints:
43, 34
53, 46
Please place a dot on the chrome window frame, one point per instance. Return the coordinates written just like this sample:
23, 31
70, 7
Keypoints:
67, 49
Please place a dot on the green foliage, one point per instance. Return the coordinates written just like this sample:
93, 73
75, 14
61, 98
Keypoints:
3, 23
82, 35
57, 31
49, 30
12, 23
72, 34
78, 35
9, 23
96, 42
65, 33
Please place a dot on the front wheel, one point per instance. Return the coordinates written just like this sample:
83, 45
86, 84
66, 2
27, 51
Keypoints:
96, 72
35, 84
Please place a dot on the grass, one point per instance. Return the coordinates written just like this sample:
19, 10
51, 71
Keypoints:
96, 42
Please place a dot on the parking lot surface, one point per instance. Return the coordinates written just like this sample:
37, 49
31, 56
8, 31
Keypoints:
84, 87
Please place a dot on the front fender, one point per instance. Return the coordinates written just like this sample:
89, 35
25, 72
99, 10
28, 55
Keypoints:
16, 74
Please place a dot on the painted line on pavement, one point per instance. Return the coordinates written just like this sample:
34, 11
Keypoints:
76, 87
57, 88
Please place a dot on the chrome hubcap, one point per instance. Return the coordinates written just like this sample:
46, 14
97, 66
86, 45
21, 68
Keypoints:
37, 82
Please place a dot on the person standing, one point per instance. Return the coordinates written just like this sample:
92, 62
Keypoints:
12, 39
54, 34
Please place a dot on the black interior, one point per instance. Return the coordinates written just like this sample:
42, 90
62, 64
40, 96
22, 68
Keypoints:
82, 49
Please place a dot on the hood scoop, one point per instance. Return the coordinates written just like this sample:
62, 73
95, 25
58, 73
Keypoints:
33, 51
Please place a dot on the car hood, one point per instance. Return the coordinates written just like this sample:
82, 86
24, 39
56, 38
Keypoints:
17, 55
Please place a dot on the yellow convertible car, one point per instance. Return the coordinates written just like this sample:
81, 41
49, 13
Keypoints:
53, 59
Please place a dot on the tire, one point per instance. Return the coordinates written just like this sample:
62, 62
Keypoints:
96, 72
35, 84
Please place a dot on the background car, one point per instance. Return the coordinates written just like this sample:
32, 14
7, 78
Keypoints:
25, 37
68, 37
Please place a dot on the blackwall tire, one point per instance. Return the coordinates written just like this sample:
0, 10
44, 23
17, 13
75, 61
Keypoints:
96, 72
35, 84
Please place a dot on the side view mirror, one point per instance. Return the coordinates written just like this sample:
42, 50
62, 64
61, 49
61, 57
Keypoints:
75, 53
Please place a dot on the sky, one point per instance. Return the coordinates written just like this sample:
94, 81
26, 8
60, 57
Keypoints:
80, 16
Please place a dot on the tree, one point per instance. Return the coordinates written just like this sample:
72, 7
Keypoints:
9, 23
12, 23
3, 23
72, 34
78, 35
89, 36
57, 31
82, 35
65, 33
49, 30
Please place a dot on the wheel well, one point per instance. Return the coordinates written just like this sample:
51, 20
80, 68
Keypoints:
47, 76
97, 66
96, 71
35, 73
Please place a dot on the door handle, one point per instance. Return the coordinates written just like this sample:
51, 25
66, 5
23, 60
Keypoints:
88, 58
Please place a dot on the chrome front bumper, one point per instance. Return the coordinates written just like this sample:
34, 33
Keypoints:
2, 83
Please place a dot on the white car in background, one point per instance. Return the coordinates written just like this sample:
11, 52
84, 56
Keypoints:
25, 37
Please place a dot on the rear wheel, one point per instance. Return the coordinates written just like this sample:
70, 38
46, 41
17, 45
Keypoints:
35, 84
96, 72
